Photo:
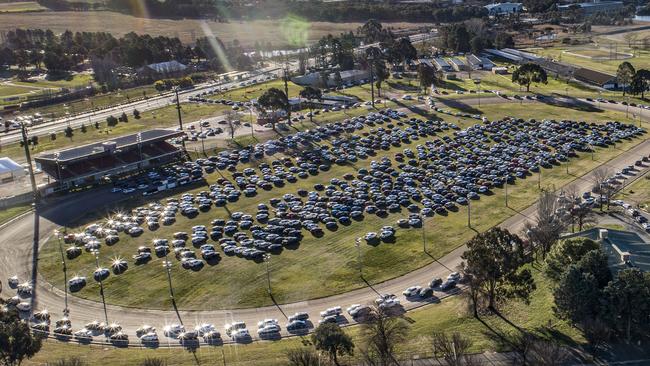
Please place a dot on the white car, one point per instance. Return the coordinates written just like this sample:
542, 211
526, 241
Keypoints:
234, 326
13, 281
151, 337
204, 328
453, 276
412, 291
83, 333
268, 330
172, 330
389, 303
24, 306
266, 322
240, 334
145, 329
352, 308
25, 288
331, 311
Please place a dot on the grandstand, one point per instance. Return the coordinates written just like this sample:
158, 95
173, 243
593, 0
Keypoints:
91, 163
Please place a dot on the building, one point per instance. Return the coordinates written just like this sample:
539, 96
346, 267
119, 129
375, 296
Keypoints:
348, 77
594, 7
163, 70
504, 55
525, 56
10, 170
596, 78
500, 70
458, 64
89, 164
504, 8
442, 65
624, 248
479, 63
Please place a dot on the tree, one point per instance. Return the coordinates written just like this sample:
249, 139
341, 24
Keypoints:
97, 125
302, 357
68, 131
494, 259
503, 40
426, 75
601, 176
83, 128
529, 73
576, 295
338, 81
53, 136
124, 117
381, 333
232, 123
16, 340
273, 99
136, 114
111, 121
595, 262
596, 332
310, 93
381, 74
624, 74
453, 350
548, 224
329, 338
567, 252
639, 84
405, 49
628, 301
33, 140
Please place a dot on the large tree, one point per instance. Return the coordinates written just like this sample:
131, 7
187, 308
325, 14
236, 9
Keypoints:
16, 340
494, 260
548, 224
529, 73
567, 252
452, 350
275, 100
625, 74
310, 93
426, 75
640, 81
576, 295
628, 301
381, 333
330, 338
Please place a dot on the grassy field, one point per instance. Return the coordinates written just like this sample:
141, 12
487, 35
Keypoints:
8, 213
637, 193
22, 89
640, 60
276, 32
449, 316
21, 7
332, 260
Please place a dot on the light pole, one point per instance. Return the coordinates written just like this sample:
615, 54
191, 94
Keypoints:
539, 176
57, 233
250, 113
101, 285
267, 259
469, 213
167, 265
357, 244
371, 59
424, 235
505, 186
23, 131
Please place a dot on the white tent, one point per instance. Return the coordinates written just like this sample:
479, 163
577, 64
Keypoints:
10, 170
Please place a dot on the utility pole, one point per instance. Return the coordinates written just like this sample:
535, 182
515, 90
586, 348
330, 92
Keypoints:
65, 272
505, 186
267, 259
371, 60
286, 90
28, 157
469, 213
357, 244
101, 285
539, 176
424, 235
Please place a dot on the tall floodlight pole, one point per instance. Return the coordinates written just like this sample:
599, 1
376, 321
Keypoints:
101, 285
267, 259
57, 233
371, 60
180, 118
357, 244
28, 157
477, 82
286, 89
167, 265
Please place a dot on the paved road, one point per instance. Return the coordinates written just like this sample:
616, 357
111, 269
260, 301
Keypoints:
16, 257
152, 103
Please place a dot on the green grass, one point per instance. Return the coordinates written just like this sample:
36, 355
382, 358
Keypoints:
10, 90
9, 213
637, 193
331, 260
640, 60
21, 7
449, 316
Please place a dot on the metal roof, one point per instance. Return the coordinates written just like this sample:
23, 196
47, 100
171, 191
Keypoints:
120, 142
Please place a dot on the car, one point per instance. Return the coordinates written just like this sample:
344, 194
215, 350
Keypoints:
13, 281
454, 276
203, 328
298, 316
83, 334
412, 291
144, 330
425, 292
447, 285
240, 335
266, 322
435, 282
234, 326
150, 337
329, 319
172, 330
336, 310
119, 337
24, 306
297, 325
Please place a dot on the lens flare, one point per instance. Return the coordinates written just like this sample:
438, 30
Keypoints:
216, 47
295, 30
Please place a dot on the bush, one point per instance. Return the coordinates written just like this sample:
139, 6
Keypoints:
68, 132
136, 114
111, 121
185, 82
124, 117
34, 140
72, 361
53, 136
153, 361
83, 128
97, 125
